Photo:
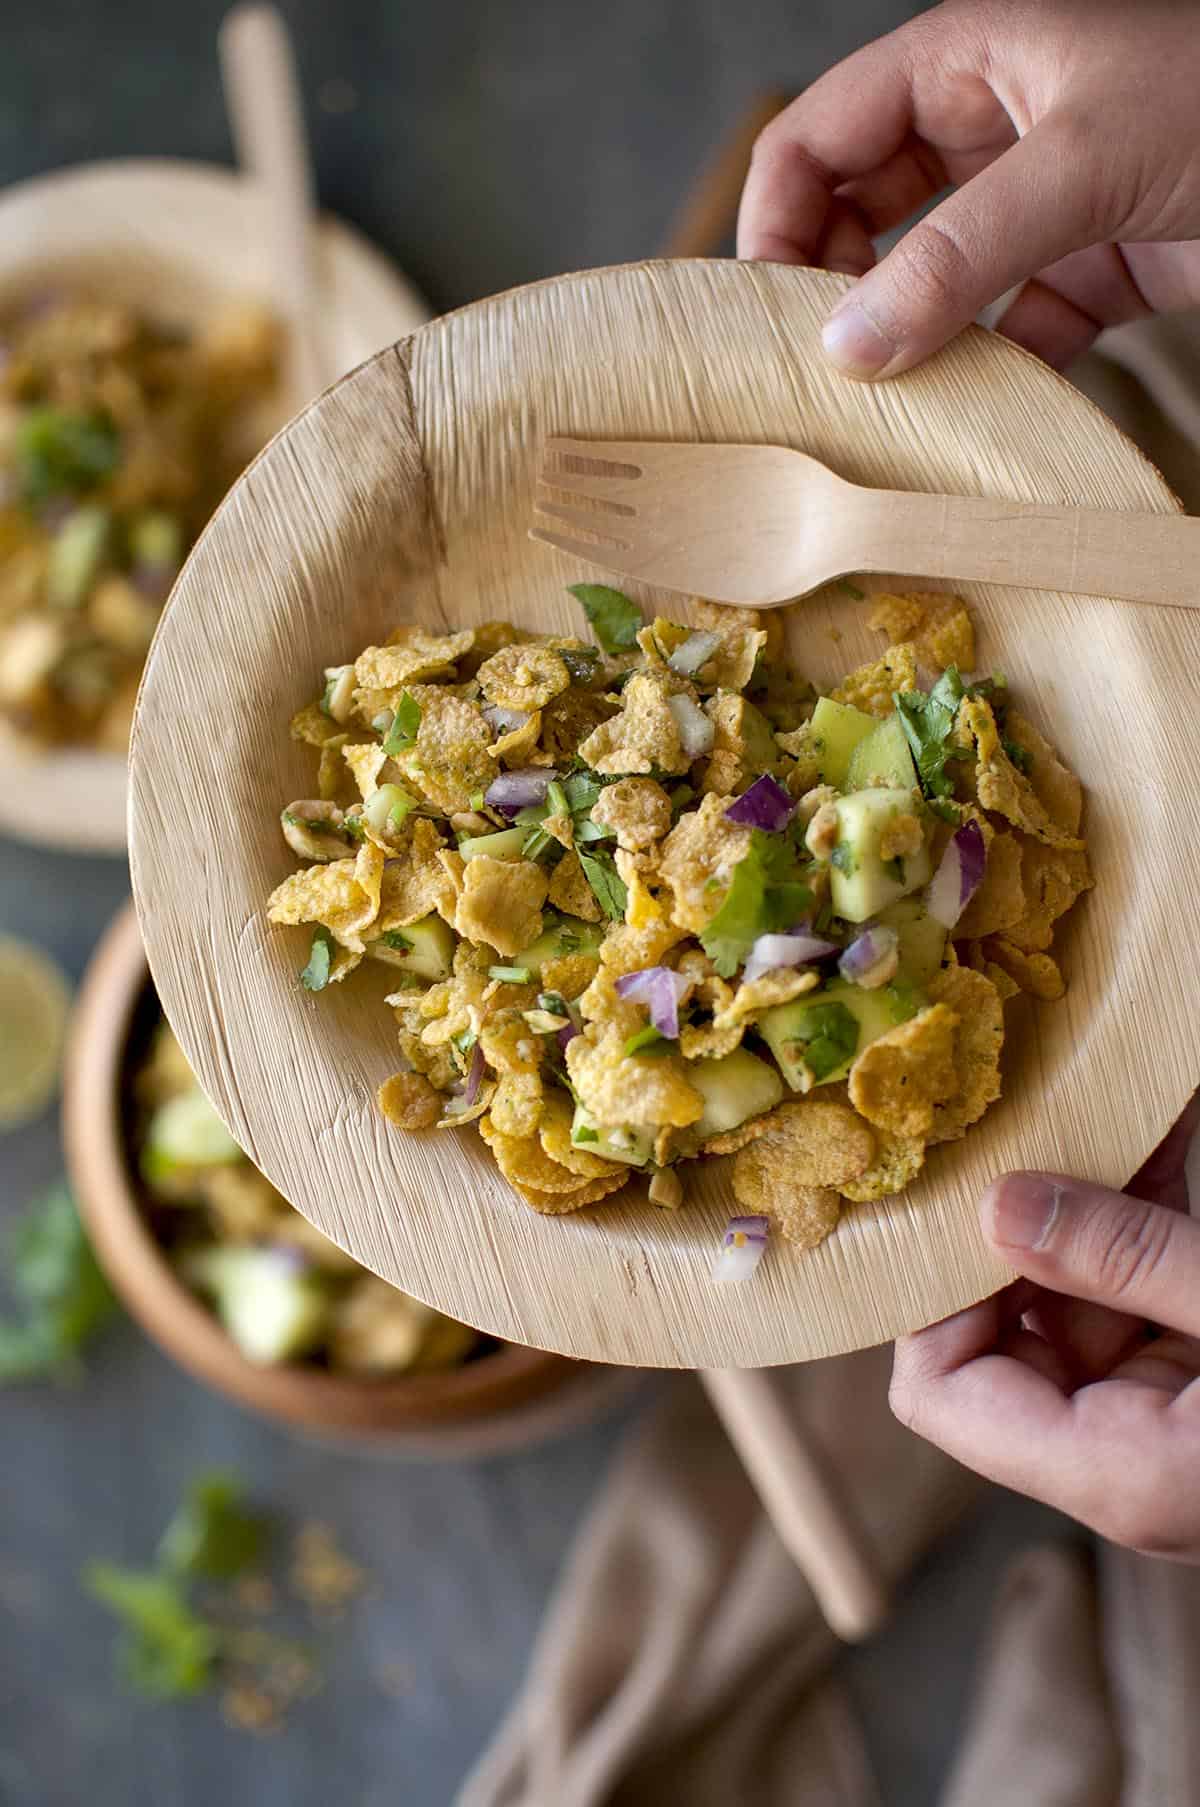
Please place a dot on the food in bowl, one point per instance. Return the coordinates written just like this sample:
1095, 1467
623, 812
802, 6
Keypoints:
284, 1292
118, 437
656, 899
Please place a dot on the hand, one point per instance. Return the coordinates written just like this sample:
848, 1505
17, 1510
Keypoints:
1069, 134
1060, 1386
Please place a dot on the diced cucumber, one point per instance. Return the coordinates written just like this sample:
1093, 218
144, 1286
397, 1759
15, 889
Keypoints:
388, 808
635, 1147
922, 939
425, 949
187, 1132
882, 758
156, 540
733, 1086
816, 1038
76, 555
565, 935
505, 844
861, 882
272, 1304
836, 731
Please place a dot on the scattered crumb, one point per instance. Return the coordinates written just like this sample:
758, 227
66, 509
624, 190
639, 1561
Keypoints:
322, 1576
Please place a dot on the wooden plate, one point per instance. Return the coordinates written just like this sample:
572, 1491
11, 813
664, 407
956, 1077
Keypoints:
177, 239
405, 494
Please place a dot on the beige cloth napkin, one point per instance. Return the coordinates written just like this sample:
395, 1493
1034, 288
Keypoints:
683, 1662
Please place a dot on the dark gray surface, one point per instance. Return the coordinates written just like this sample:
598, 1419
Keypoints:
483, 143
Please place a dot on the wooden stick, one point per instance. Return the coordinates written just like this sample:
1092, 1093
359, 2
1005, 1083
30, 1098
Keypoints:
708, 215
262, 97
801, 1497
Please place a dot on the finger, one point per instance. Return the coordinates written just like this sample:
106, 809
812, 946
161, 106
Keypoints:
1028, 209
1139, 1258
1090, 1339
846, 244
852, 120
1163, 1178
1025, 1345
1169, 1363
902, 184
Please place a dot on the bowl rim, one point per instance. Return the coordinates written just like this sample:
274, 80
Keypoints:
116, 980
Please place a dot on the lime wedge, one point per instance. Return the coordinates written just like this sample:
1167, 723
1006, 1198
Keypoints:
34, 998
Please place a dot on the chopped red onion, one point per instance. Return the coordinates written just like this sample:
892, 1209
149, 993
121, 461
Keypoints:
795, 949
566, 1034
474, 1077
660, 990
695, 651
869, 954
959, 876
512, 792
503, 720
765, 805
696, 732
742, 1249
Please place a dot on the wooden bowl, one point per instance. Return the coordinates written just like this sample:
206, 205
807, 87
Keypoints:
500, 1385
175, 239
406, 492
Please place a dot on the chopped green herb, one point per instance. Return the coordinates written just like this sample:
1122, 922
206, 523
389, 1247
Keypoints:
947, 812
826, 1037
316, 824
402, 730
568, 940
168, 1650
608, 887
851, 589
394, 938
465, 1040
212, 1533
355, 827
64, 1297
765, 895
553, 1003
512, 975
556, 799
1020, 756
587, 831
59, 452
647, 1040
476, 800
615, 620
582, 789
928, 723
904, 1001
535, 844
315, 976
584, 1134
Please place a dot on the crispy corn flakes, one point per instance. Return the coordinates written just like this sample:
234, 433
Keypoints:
898, 1160
636, 810
978, 1039
939, 627
570, 891
501, 903
871, 687
523, 677
898, 1079
342, 895
642, 1092
1052, 879
1037, 974
409, 1101
448, 762
644, 736
1000, 786
1000, 900
697, 861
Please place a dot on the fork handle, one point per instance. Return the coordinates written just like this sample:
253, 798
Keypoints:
1079, 551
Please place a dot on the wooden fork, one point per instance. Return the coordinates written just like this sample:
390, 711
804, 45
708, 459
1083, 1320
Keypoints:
761, 525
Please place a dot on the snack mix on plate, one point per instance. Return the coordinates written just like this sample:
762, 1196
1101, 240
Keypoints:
283, 1291
118, 438
657, 899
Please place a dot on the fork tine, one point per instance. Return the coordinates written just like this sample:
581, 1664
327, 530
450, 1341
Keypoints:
585, 521
550, 489
586, 483
563, 543
623, 456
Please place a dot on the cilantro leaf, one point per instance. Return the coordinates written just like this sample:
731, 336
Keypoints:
55, 1278
405, 723
212, 1532
766, 894
59, 452
315, 976
608, 887
1018, 755
167, 1650
615, 620
928, 723
648, 1040
826, 1037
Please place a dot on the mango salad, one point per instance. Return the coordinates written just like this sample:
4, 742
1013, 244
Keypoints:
118, 437
654, 899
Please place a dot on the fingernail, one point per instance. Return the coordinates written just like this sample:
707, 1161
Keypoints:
853, 340
1019, 1211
